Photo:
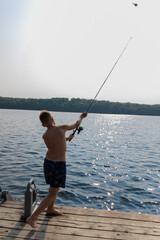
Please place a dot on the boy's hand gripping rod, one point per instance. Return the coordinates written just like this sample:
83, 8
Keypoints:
79, 129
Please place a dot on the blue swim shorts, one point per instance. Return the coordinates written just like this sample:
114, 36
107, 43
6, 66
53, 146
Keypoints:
55, 173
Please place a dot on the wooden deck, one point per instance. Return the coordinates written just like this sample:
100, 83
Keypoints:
78, 224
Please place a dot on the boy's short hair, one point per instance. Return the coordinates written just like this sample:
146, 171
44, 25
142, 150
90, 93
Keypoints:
44, 116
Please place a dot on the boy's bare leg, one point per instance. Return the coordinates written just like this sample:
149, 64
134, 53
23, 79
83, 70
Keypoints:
51, 210
44, 203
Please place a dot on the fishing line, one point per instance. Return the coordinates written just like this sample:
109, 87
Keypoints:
79, 129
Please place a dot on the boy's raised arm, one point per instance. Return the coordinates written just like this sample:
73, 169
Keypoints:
68, 127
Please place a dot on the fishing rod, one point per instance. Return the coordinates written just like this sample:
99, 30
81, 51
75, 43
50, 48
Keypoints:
79, 129
108, 75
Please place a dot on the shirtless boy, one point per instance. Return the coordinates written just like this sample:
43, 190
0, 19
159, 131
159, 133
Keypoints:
54, 163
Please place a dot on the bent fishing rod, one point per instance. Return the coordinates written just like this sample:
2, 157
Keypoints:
79, 129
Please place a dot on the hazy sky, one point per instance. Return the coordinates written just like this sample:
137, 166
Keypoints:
66, 48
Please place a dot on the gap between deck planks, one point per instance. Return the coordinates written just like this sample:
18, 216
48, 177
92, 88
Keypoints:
78, 224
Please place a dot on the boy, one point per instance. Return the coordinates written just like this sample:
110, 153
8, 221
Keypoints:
54, 163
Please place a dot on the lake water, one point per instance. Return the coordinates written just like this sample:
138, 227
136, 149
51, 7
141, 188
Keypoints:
113, 164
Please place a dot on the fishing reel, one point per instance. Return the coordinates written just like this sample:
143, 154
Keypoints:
79, 129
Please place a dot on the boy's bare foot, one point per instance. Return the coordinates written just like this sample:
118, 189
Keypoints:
31, 222
54, 212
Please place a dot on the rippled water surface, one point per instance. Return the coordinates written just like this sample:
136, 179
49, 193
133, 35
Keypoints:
113, 164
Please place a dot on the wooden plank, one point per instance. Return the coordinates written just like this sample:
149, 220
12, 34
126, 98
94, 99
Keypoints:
11, 204
84, 230
98, 213
113, 226
112, 214
105, 227
79, 224
32, 234
95, 217
12, 213
37, 235
68, 218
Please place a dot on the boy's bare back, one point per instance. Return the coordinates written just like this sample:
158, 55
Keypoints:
55, 141
54, 137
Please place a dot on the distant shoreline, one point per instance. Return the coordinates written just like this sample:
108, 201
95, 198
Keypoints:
79, 105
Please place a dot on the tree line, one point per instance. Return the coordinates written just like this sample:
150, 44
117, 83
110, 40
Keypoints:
79, 105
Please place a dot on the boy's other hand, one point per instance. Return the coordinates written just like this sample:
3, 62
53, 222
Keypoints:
70, 137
